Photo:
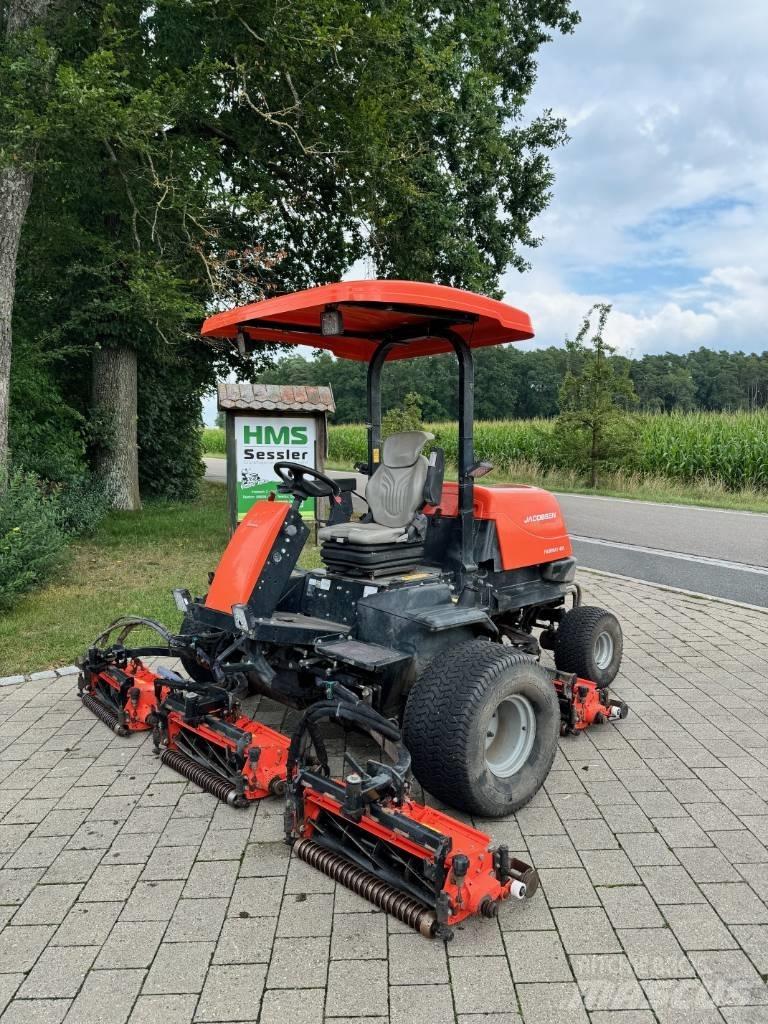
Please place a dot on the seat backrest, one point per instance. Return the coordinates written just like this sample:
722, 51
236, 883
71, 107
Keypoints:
396, 490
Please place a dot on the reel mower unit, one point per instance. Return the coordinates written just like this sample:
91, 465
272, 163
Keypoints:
209, 742
422, 866
582, 704
117, 688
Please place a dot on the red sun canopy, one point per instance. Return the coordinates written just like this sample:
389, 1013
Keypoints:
408, 311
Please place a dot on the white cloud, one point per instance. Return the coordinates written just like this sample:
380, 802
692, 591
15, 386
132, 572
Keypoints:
661, 199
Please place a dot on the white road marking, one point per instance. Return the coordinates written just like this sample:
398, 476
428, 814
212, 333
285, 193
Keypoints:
698, 559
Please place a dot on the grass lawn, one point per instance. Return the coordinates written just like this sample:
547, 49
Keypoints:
129, 566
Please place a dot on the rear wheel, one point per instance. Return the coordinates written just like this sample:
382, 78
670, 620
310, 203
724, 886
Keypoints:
481, 724
590, 643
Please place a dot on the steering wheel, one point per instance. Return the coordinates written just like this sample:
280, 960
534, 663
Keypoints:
304, 482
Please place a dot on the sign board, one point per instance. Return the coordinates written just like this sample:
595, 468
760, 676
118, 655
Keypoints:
260, 442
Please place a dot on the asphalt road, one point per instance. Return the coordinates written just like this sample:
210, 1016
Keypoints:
709, 551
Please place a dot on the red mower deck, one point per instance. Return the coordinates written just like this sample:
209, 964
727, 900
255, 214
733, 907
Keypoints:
208, 741
120, 691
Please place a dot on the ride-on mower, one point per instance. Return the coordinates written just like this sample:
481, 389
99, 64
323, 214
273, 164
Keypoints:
426, 607
419, 630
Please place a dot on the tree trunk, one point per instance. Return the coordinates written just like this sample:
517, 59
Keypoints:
15, 190
114, 394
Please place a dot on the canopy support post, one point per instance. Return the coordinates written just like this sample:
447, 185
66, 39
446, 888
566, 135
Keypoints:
466, 449
375, 367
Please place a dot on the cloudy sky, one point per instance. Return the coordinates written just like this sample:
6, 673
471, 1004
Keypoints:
661, 200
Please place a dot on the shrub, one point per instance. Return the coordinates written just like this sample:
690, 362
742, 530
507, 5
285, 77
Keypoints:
80, 504
31, 537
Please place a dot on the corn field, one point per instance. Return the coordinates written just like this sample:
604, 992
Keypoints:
726, 448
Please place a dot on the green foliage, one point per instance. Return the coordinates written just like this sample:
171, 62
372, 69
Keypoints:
594, 431
214, 441
407, 416
31, 537
80, 505
191, 154
513, 382
170, 445
48, 435
724, 448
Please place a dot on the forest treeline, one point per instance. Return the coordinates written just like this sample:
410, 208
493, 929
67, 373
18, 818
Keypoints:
511, 383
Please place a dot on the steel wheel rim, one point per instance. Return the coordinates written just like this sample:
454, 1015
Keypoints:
509, 736
603, 650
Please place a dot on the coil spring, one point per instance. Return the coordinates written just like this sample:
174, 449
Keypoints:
203, 777
405, 908
109, 718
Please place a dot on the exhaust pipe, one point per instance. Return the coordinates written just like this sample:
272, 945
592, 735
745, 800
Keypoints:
103, 713
203, 777
384, 896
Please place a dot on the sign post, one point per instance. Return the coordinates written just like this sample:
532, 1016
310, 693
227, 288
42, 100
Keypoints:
269, 423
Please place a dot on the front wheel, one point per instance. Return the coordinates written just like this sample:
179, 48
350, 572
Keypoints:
590, 643
481, 725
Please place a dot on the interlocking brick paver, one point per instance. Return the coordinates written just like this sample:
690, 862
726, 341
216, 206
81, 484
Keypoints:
245, 940
607, 982
298, 1007
729, 977
536, 956
359, 937
630, 906
430, 1004
552, 1004
356, 989
299, 963
411, 962
179, 968
165, 1009
131, 944
736, 903
47, 904
106, 997
20, 947
59, 972
697, 926
87, 923
126, 894
201, 919
36, 1011
655, 953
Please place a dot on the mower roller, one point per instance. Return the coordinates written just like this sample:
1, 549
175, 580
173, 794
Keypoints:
365, 831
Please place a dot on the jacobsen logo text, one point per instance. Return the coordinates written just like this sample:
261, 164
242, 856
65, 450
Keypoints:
540, 517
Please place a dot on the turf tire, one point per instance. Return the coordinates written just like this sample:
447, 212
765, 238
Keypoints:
446, 719
575, 641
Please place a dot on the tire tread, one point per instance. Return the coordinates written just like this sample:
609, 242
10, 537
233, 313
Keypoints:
439, 712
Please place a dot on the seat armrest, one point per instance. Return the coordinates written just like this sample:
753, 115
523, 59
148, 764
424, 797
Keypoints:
433, 485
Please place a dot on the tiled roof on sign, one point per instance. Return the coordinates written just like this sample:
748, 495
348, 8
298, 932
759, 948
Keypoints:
274, 397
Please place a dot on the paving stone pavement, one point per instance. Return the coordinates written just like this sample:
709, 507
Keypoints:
127, 895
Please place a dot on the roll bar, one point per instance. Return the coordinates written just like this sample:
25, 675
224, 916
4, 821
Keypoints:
466, 448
